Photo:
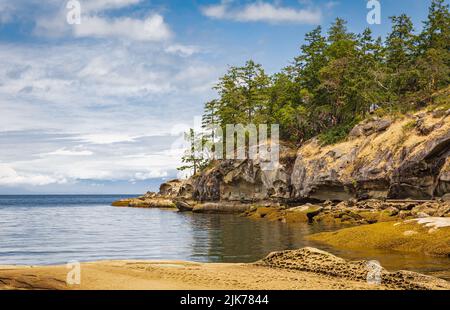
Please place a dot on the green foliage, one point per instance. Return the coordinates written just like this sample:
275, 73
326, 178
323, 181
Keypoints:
337, 133
338, 78
193, 159
409, 126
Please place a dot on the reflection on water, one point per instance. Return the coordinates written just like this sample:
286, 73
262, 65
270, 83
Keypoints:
230, 238
55, 230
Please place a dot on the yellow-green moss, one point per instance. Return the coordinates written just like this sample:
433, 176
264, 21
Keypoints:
377, 216
121, 203
281, 214
406, 236
269, 213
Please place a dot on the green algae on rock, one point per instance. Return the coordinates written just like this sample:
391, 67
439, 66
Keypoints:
430, 236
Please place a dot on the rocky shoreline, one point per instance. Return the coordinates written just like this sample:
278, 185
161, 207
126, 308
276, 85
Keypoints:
388, 172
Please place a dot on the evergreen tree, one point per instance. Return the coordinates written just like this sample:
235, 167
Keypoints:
243, 94
335, 81
338, 76
401, 55
312, 58
436, 31
434, 60
193, 158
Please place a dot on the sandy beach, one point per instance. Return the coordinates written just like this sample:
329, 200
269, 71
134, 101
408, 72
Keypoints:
171, 275
304, 269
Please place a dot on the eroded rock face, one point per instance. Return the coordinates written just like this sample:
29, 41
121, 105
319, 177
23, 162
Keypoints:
443, 182
242, 181
170, 189
381, 159
419, 174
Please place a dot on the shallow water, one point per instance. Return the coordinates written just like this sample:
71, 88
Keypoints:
44, 230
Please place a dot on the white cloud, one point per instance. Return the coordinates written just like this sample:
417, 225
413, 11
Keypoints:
68, 152
104, 138
96, 22
152, 28
331, 4
101, 5
219, 11
152, 174
94, 111
10, 177
262, 12
182, 50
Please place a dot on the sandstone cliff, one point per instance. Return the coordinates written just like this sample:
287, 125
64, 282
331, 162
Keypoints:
407, 157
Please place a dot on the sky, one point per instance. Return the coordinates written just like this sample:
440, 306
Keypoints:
99, 107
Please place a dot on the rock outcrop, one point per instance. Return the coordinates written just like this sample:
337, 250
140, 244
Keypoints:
403, 158
351, 212
163, 199
381, 159
321, 262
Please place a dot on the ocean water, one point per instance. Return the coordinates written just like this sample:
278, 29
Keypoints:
57, 229
44, 230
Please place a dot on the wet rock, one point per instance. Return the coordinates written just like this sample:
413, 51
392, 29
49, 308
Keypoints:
221, 208
403, 214
183, 206
392, 211
151, 203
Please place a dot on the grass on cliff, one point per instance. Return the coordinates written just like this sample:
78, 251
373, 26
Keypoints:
406, 236
338, 133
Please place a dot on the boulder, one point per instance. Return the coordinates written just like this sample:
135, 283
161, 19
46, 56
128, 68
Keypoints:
183, 206
170, 188
370, 127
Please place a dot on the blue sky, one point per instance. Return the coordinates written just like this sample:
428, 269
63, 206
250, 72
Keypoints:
100, 107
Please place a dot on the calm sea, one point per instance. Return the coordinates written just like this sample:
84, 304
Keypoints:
43, 230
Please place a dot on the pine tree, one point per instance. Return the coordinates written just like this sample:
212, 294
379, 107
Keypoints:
401, 51
210, 123
436, 31
338, 76
306, 67
370, 77
434, 60
193, 158
243, 94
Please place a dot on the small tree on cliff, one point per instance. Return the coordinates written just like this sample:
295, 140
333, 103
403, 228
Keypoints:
193, 158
